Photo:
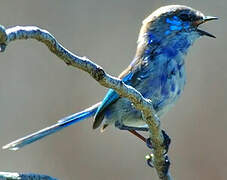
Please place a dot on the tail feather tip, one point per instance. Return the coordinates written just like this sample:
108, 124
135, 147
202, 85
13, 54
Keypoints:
10, 147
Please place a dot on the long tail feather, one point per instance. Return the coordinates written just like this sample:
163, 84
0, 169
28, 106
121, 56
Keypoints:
67, 121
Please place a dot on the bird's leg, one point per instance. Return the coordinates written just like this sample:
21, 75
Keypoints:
147, 141
138, 135
149, 158
134, 130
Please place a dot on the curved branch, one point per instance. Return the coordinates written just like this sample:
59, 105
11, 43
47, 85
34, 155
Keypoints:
18, 176
160, 160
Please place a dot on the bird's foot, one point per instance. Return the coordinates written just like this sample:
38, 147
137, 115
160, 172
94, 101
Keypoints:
150, 158
166, 165
148, 143
166, 142
150, 162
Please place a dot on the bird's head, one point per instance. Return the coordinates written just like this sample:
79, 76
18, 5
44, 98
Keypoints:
170, 30
172, 20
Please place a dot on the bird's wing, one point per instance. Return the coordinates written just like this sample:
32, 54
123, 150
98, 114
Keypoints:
110, 98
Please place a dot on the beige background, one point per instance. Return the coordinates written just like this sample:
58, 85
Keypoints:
36, 89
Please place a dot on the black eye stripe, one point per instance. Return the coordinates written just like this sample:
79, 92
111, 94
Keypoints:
184, 17
188, 17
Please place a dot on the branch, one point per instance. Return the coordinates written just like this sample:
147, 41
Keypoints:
17, 176
160, 160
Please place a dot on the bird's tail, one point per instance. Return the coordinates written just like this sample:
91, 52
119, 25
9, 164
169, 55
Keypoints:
67, 121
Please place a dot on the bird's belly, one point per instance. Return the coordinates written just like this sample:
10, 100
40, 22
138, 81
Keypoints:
163, 90
168, 92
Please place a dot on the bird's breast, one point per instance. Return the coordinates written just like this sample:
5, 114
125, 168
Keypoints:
163, 79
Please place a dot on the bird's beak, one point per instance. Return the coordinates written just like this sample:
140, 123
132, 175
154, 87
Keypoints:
204, 20
209, 18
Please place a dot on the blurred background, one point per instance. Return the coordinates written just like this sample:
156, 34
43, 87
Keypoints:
37, 89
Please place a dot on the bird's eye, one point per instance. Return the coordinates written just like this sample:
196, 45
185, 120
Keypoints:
184, 17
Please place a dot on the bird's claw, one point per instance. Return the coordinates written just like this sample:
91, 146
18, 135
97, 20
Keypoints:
166, 142
150, 159
148, 143
150, 162
166, 165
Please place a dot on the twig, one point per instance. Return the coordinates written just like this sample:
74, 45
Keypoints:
21, 176
160, 161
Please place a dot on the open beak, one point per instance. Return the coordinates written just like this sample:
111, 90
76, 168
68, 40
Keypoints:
205, 19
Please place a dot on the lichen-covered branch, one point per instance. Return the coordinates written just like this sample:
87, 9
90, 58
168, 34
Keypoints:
21, 176
160, 160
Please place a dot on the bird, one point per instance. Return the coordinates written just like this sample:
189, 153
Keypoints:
157, 71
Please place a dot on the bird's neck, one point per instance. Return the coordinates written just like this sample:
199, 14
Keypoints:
161, 44
157, 45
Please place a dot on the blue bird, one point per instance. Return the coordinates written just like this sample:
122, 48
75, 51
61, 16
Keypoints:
157, 72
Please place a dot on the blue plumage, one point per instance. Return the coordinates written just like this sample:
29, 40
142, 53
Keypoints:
157, 71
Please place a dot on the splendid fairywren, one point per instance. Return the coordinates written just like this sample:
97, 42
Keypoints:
157, 72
